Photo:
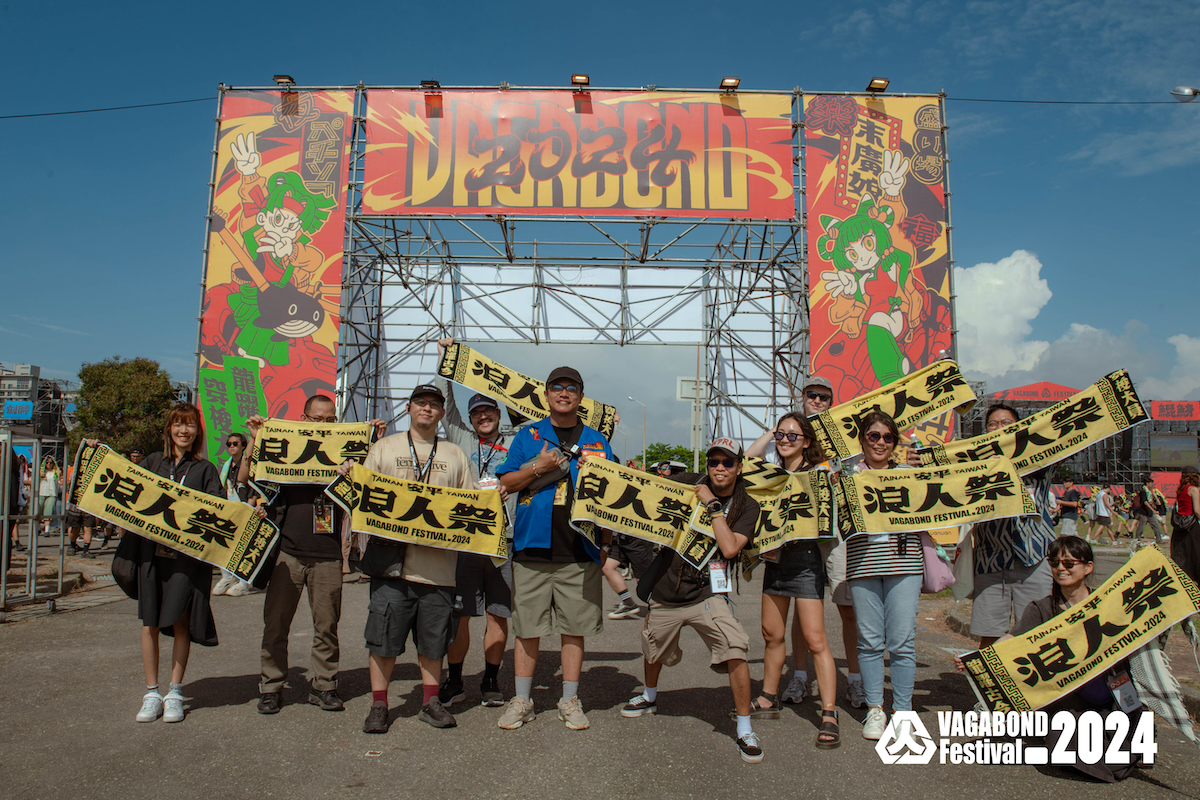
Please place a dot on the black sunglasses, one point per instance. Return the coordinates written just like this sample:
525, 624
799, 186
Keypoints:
875, 436
727, 463
1067, 563
828, 398
232, 442
791, 437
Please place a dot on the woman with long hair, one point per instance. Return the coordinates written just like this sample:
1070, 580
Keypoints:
51, 477
1185, 530
884, 571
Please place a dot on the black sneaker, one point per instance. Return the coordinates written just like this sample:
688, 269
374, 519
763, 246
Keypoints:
436, 714
748, 745
270, 702
451, 691
624, 610
490, 692
377, 720
639, 706
328, 701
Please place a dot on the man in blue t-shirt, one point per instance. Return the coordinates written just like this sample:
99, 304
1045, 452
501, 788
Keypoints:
557, 586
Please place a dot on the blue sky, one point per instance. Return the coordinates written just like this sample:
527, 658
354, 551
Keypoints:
1072, 224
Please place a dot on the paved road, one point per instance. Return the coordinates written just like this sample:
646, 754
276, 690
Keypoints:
70, 685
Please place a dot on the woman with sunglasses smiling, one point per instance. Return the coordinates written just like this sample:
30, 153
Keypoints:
884, 572
797, 571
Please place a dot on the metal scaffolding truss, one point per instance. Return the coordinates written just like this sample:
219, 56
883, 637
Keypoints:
737, 288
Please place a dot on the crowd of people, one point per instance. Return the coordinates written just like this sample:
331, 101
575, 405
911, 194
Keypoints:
551, 585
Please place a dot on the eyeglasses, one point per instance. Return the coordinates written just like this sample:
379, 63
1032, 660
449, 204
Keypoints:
875, 436
821, 396
569, 388
1066, 563
790, 436
233, 443
318, 419
727, 463
1000, 423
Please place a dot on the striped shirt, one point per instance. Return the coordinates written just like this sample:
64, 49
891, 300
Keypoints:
1001, 544
873, 555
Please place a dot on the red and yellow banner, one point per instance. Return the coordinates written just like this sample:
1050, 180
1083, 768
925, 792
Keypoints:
676, 154
276, 235
879, 285
1174, 409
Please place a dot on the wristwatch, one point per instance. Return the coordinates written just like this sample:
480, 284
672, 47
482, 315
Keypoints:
715, 506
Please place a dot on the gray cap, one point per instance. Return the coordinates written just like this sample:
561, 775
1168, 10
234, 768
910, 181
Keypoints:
817, 380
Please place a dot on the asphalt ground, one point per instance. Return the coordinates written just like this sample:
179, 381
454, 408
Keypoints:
71, 683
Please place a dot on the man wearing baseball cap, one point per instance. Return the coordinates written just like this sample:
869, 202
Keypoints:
483, 587
681, 595
557, 586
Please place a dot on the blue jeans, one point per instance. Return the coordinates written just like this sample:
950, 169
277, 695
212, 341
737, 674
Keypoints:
886, 608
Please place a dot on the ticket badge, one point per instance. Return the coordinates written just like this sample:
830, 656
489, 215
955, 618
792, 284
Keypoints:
718, 576
162, 551
1124, 692
560, 493
322, 516
489, 483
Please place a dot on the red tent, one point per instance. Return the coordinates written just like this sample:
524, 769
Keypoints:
1044, 391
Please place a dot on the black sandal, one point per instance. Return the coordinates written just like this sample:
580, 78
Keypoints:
829, 737
761, 712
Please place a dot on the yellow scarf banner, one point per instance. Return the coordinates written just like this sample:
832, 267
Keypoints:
916, 397
465, 520
224, 533
1141, 600
632, 502
912, 500
1104, 409
306, 452
479, 373
802, 509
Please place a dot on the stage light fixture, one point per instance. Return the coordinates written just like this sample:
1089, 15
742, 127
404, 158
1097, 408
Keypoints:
579, 79
729, 83
1184, 94
430, 85
878, 85
285, 80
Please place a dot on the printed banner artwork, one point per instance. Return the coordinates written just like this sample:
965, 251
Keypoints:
273, 278
1107, 407
1174, 409
1038, 392
910, 500
801, 509
229, 397
632, 502
1167, 483
679, 154
224, 533
465, 520
879, 285
927, 392
479, 373
306, 452
1142, 599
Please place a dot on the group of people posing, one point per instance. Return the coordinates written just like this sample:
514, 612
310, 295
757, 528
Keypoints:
552, 582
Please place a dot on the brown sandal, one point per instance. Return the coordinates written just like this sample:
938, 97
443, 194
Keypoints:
829, 737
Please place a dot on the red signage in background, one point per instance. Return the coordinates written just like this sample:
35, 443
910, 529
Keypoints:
1167, 483
1174, 409
1041, 392
584, 153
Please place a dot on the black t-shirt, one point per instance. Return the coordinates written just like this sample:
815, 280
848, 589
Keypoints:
566, 544
1072, 512
682, 584
294, 514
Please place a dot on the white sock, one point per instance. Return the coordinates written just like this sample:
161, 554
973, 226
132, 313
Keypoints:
524, 686
854, 677
570, 689
650, 693
802, 674
743, 726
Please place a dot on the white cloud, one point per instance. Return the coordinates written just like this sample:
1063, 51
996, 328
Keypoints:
1176, 144
1184, 380
994, 307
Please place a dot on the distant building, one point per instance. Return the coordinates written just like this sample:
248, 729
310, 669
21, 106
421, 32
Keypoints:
34, 404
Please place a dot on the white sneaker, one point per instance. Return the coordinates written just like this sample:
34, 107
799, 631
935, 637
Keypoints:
173, 707
223, 585
152, 707
796, 690
875, 724
238, 589
855, 695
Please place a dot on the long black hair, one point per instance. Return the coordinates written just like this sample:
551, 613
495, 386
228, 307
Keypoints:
1072, 547
813, 454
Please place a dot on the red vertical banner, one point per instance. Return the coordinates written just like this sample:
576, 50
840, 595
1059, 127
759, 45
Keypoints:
273, 280
878, 264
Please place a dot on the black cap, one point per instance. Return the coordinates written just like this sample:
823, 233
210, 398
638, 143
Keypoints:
427, 389
565, 373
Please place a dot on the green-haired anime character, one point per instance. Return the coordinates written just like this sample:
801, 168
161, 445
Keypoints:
873, 285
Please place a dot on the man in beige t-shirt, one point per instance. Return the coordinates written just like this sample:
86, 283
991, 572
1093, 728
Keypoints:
418, 598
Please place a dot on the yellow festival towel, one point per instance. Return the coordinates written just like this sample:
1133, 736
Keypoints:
1107, 407
1141, 600
306, 452
479, 373
916, 397
465, 520
224, 533
910, 500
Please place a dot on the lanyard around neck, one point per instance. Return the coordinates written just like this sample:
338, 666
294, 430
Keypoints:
421, 473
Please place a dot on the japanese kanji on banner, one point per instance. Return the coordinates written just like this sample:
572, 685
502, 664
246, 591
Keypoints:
229, 397
916, 397
1142, 599
635, 503
910, 500
1107, 407
224, 533
479, 373
306, 452
465, 520
801, 509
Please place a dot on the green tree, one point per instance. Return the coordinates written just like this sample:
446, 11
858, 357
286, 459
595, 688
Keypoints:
659, 451
123, 403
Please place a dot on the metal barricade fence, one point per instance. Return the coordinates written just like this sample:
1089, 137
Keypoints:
40, 447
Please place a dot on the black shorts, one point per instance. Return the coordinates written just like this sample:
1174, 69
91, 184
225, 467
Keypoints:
399, 607
77, 518
631, 552
799, 573
483, 586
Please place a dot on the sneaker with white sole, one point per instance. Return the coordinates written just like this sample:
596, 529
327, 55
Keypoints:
875, 724
518, 712
173, 707
571, 712
639, 706
855, 695
239, 589
748, 746
796, 690
223, 585
625, 609
152, 707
